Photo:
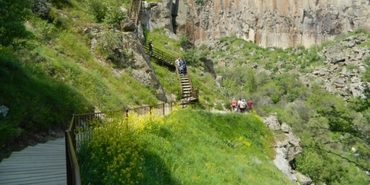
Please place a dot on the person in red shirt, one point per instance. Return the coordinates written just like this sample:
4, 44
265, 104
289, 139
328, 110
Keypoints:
249, 105
233, 105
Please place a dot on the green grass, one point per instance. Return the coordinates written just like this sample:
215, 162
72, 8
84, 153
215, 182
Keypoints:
56, 74
190, 147
36, 101
162, 42
168, 80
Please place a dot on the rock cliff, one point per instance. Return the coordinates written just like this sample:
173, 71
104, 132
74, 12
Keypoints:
270, 23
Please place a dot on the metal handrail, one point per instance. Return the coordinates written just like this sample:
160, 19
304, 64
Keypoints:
72, 166
79, 124
194, 91
164, 59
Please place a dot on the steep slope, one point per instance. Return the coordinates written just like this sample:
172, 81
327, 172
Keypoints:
268, 23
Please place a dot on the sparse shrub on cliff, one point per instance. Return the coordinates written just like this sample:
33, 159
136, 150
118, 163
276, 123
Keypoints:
97, 9
108, 11
199, 2
366, 75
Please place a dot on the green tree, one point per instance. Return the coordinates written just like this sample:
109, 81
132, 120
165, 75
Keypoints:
13, 14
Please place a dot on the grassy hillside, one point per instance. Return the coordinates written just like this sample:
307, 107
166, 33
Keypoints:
55, 69
54, 72
328, 125
186, 147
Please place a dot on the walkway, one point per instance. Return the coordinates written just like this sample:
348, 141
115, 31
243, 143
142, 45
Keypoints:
42, 164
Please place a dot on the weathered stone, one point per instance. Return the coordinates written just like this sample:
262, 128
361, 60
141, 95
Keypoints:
271, 23
219, 80
208, 66
285, 128
333, 68
272, 122
282, 164
128, 25
302, 179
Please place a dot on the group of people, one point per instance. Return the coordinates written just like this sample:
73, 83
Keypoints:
181, 65
241, 105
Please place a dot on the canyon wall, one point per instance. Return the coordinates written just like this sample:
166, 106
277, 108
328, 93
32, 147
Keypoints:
271, 23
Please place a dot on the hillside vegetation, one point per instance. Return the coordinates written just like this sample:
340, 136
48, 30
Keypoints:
185, 147
49, 70
334, 131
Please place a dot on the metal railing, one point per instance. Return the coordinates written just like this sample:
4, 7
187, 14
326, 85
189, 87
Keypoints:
79, 131
194, 91
163, 58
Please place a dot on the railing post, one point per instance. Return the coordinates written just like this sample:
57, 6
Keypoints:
163, 109
126, 119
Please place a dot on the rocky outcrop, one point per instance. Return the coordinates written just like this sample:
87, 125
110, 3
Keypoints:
344, 67
142, 69
271, 22
126, 52
287, 146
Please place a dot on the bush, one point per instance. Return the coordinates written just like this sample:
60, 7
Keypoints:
108, 11
199, 2
190, 56
98, 9
13, 14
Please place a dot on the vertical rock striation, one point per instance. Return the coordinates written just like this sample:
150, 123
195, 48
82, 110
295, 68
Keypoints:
274, 23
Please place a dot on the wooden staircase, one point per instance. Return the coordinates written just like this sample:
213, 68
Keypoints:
189, 94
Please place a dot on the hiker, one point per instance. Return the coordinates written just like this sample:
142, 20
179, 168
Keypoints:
233, 105
150, 45
249, 105
179, 66
238, 105
183, 63
242, 106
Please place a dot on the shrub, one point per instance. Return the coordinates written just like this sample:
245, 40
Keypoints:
112, 48
366, 75
190, 56
199, 2
98, 9
13, 14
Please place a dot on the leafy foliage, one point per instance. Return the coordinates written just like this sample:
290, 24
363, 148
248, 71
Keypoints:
185, 147
108, 11
13, 14
328, 126
37, 101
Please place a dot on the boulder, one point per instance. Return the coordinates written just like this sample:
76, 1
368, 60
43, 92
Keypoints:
127, 25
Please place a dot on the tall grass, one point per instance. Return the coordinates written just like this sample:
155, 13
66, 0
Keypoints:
36, 101
56, 74
185, 147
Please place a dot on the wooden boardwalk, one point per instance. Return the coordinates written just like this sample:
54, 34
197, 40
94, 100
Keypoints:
42, 164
